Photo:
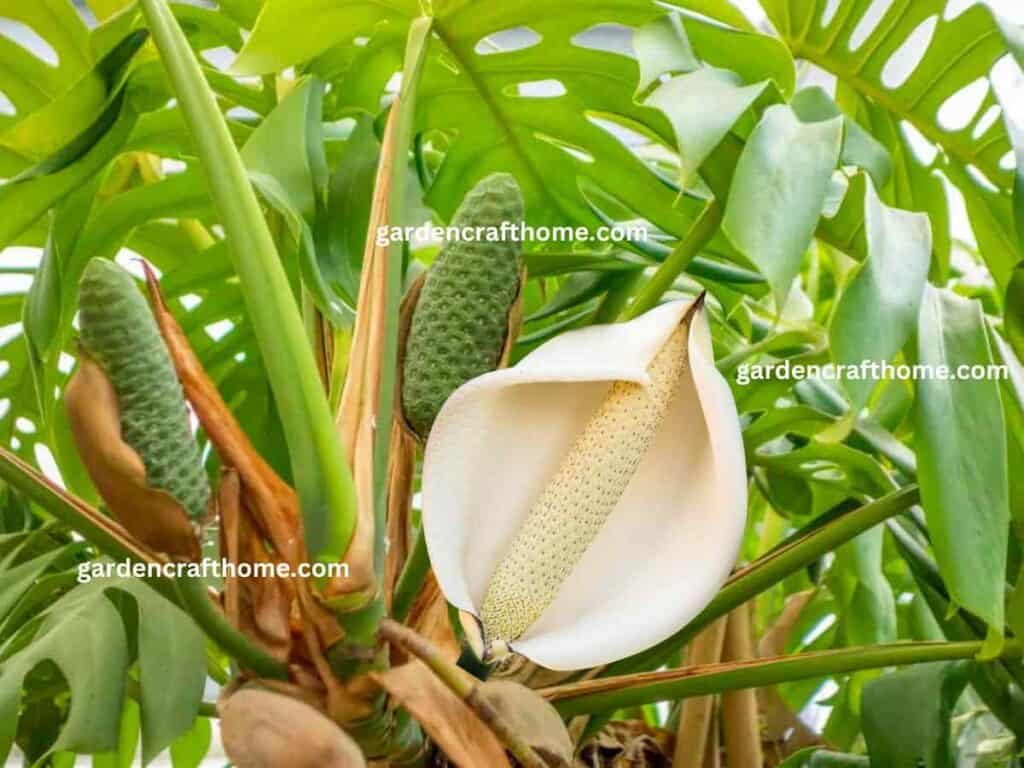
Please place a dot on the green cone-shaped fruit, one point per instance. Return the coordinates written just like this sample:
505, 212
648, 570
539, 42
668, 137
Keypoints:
119, 332
460, 323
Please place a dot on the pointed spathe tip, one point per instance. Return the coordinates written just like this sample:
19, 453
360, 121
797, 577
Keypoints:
695, 307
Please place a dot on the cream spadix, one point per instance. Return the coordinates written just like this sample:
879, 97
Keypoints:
590, 501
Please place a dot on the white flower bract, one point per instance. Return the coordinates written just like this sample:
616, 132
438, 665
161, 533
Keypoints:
668, 543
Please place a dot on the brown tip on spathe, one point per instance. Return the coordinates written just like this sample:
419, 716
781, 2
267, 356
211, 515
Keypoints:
695, 307
153, 285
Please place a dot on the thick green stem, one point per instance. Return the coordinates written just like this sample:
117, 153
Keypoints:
634, 690
319, 467
773, 568
617, 297
196, 598
95, 527
411, 579
693, 242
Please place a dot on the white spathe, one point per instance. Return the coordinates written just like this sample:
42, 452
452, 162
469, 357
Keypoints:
668, 545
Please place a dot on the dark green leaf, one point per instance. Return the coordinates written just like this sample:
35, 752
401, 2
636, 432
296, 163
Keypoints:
860, 148
906, 715
785, 166
877, 311
962, 455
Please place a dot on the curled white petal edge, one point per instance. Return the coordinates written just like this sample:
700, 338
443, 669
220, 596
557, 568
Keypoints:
621, 598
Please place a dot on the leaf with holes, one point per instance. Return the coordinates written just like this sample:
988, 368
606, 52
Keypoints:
534, 90
910, 61
884, 58
57, 54
85, 635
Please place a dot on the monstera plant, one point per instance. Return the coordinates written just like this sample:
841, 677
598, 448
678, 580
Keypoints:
709, 456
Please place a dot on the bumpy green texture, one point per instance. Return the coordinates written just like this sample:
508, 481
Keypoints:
119, 332
460, 322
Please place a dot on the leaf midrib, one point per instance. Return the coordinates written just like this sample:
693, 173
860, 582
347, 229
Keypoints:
496, 113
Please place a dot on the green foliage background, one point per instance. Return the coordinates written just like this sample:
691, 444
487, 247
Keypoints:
818, 219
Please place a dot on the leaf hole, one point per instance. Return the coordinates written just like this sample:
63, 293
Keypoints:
25, 37
624, 133
86, 14
923, 150
831, 7
570, 149
1008, 161
536, 89
5, 368
189, 301
869, 22
981, 179
9, 332
131, 262
219, 330
5, 407
818, 629
610, 38
955, 7
25, 426
908, 56
15, 283
170, 166
957, 112
6, 105
219, 58
986, 121
65, 363
23, 256
243, 115
507, 41
48, 464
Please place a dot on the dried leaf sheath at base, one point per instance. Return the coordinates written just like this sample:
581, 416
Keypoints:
581, 495
153, 517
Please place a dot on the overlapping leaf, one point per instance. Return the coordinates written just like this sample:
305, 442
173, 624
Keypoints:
532, 110
877, 311
914, 63
85, 636
841, 38
964, 478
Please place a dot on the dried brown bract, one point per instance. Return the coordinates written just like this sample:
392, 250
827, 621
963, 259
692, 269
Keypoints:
261, 729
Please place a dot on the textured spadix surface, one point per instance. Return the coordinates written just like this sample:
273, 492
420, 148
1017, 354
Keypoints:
119, 332
667, 545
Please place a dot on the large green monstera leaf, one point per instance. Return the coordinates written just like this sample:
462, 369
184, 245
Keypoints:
525, 88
